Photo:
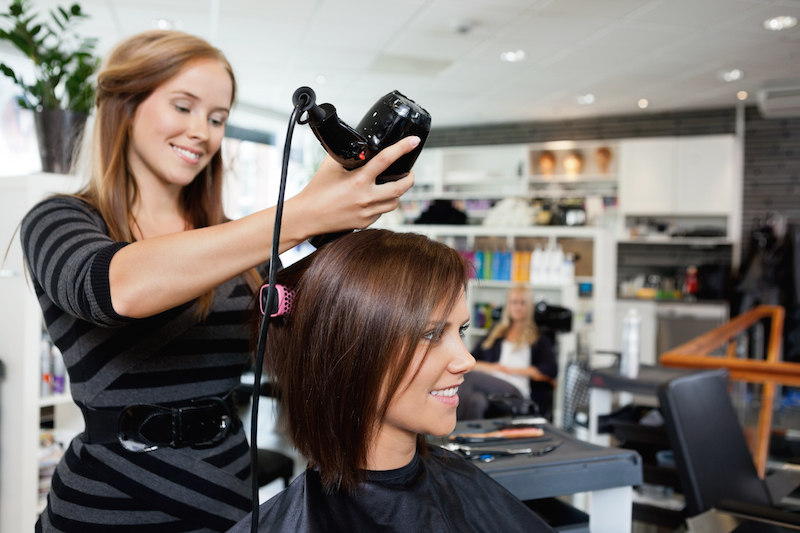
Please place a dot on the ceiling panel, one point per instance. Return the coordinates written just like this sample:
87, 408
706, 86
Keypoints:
668, 51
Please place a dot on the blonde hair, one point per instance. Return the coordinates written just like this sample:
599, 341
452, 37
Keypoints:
132, 71
529, 333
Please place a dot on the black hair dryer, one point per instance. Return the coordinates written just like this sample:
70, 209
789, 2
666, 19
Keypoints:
391, 118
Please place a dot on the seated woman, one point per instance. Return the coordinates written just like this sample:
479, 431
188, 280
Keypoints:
368, 362
513, 359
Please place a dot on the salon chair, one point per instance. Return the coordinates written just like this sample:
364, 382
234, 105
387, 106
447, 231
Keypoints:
712, 458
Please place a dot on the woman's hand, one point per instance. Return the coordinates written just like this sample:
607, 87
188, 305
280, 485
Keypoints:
339, 200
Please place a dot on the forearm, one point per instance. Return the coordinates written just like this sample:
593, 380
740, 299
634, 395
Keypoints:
157, 274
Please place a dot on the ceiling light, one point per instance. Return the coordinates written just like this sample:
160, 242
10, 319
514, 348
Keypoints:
742, 95
780, 23
586, 99
321, 79
643, 103
731, 75
166, 24
513, 57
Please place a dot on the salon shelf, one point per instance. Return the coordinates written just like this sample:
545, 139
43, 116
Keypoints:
20, 342
55, 399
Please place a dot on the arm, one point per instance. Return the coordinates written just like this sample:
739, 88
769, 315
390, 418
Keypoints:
153, 275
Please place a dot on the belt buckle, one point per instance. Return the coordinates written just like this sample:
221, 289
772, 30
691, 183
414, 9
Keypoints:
133, 419
196, 431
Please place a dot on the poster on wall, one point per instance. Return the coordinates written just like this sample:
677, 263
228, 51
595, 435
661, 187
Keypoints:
19, 149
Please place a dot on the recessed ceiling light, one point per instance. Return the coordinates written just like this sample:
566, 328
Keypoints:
166, 24
742, 95
643, 103
586, 99
731, 75
321, 79
513, 57
780, 23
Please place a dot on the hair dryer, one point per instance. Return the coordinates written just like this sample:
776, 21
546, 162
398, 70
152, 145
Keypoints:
391, 118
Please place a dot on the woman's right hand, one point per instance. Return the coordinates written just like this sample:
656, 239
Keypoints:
338, 200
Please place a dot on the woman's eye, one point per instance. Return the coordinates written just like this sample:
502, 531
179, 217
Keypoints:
182, 109
462, 331
215, 121
433, 335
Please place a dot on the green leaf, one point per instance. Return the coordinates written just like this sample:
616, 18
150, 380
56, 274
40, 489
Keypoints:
76, 10
55, 18
8, 72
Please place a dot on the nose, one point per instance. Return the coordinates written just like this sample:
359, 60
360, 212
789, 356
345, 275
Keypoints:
461, 361
198, 128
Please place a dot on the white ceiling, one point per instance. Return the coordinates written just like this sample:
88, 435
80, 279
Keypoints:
667, 51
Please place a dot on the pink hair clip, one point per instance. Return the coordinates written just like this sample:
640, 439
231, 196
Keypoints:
285, 298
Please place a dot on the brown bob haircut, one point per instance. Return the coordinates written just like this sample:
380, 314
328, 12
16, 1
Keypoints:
363, 304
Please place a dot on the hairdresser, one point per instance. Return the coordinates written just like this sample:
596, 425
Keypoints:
513, 360
146, 289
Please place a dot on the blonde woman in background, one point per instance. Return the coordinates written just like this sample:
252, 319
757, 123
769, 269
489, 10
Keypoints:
513, 359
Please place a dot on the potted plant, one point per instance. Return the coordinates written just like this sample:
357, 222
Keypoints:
64, 63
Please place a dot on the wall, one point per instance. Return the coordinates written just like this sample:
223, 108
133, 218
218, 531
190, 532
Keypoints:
771, 178
699, 122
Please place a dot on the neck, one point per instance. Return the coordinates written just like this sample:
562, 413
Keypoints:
392, 450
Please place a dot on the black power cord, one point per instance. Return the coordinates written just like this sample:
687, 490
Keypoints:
302, 102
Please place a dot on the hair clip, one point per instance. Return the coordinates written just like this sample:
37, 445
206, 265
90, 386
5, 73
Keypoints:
284, 300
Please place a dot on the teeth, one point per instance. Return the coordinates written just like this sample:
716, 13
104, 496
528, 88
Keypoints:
445, 392
186, 152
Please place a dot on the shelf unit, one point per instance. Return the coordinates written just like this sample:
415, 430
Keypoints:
20, 344
500, 171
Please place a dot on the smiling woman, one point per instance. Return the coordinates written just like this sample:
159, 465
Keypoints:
368, 362
146, 286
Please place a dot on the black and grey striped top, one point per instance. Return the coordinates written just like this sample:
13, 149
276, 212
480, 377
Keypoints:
114, 362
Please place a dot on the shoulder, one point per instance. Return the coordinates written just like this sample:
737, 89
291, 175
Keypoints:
62, 208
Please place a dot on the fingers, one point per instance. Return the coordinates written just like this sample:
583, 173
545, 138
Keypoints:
389, 155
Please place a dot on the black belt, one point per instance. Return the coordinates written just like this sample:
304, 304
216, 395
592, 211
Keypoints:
199, 423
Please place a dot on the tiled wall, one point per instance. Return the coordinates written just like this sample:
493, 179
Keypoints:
702, 122
771, 170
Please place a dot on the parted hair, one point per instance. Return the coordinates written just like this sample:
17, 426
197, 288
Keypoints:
363, 304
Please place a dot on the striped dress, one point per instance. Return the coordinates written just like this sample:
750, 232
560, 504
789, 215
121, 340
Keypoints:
114, 362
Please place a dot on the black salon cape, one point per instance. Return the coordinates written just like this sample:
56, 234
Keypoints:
435, 494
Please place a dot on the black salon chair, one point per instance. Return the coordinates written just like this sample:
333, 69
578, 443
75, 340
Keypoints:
714, 464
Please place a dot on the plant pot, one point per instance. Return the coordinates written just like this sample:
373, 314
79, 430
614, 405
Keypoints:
58, 132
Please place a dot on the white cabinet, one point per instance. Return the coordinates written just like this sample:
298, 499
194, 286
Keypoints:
646, 175
20, 342
705, 172
677, 175
471, 171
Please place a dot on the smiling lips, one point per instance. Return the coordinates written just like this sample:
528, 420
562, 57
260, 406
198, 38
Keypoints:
447, 396
187, 155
